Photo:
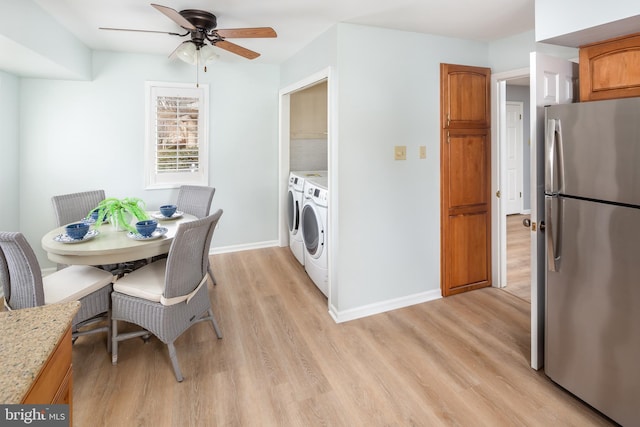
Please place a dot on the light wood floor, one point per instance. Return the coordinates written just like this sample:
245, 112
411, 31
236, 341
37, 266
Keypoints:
518, 258
461, 360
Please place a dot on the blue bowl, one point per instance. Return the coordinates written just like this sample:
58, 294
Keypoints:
146, 227
168, 210
77, 230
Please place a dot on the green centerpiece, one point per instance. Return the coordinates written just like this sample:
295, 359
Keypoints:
120, 212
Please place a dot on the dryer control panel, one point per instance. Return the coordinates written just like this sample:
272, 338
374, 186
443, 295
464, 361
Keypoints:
320, 196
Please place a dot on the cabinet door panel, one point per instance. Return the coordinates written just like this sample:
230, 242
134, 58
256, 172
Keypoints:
610, 69
466, 97
467, 262
465, 178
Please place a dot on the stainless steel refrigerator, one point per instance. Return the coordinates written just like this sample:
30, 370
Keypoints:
592, 226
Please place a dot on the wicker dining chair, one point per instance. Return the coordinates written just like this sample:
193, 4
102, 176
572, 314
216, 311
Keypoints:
168, 296
196, 200
75, 206
24, 286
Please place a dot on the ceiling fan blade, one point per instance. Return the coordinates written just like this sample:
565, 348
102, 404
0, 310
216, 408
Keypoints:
238, 50
139, 31
175, 16
238, 33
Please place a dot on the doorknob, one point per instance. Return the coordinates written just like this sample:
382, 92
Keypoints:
526, 222
542, 226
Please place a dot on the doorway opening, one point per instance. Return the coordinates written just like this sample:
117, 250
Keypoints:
514, 163
286, 146
306, 143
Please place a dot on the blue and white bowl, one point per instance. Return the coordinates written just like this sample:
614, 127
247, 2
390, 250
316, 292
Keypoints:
168, 210
77, 231
146, 227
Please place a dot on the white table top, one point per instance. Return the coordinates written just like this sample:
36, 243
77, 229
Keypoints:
110, 246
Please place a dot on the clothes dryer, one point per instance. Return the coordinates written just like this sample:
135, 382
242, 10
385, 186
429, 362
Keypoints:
295, 199
314, 231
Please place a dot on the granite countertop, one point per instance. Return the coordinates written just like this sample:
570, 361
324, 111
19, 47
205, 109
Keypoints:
27, 338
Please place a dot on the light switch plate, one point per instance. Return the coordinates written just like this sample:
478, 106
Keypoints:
423, 151
400, 152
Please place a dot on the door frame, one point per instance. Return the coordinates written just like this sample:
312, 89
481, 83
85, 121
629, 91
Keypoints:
498, 178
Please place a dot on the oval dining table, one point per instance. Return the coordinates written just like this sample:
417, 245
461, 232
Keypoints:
110, 246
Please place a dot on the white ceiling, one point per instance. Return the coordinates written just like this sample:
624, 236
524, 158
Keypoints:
297, 22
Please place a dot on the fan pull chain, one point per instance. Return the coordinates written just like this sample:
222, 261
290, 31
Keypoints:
197, 68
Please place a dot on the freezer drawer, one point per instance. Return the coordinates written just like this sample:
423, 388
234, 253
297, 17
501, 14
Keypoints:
592, 333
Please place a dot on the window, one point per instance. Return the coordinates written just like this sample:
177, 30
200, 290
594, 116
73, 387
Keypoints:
176, 150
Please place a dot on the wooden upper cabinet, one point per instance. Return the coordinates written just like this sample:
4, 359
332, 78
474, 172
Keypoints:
610, 69
468, 104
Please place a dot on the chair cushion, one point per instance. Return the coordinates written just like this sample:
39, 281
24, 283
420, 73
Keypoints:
146, 282
73, 283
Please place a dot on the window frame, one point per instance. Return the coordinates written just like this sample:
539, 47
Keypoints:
154, 179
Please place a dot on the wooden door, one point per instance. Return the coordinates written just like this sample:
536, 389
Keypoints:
514, 174
465, 178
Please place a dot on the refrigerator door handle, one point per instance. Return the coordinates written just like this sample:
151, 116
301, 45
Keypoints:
554, 165
554, 232
550, 151
560, 153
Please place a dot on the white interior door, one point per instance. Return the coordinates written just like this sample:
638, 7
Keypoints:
514, 157
551, 83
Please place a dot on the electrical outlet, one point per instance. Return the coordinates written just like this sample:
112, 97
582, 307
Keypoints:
400, 152
423, 151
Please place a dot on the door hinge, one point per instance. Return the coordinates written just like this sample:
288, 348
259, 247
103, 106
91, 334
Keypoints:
521, 194
448, 119
498, 194
448, 137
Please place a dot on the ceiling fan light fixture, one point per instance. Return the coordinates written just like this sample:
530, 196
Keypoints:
207, 53
187, 52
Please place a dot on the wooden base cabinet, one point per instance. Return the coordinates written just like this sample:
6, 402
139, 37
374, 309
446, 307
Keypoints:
54, 383
610, 69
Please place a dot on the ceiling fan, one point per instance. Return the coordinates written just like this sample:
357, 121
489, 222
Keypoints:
201, 27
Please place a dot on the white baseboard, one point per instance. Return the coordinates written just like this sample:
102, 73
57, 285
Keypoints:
383, 306
245, 247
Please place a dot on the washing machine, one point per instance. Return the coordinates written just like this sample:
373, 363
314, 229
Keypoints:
295, 199
314, 231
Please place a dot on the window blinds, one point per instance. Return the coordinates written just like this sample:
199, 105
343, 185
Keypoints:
177, 148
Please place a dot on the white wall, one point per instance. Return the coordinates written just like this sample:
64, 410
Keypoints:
389, 94
586, 21
78, 136
9, 147
316, 56
512, 53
